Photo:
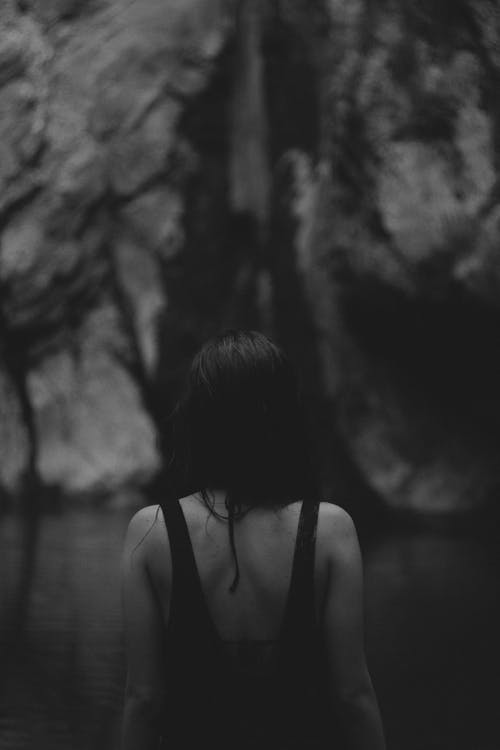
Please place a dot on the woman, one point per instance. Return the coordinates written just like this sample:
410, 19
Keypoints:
243, 600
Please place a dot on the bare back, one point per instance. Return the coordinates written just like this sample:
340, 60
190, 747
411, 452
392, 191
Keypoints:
265, 542
315, 675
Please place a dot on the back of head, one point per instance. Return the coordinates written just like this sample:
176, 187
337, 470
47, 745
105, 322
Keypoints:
239, 425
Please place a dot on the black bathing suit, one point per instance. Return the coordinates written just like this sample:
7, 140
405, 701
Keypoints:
249, 695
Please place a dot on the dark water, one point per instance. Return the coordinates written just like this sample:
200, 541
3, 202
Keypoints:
433, 619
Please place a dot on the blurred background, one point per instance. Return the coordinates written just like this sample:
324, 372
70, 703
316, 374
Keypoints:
327, 172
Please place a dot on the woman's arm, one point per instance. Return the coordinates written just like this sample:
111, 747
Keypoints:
350, 680
144, 634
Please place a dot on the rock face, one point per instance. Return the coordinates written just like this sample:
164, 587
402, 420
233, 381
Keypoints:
91, 169
412, 259
329, 175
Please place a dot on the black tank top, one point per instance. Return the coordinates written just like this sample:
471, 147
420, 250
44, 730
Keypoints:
270, 696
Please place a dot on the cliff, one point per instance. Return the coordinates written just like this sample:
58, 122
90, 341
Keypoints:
328, 175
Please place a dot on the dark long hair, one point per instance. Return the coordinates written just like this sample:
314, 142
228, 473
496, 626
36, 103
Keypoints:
239, 427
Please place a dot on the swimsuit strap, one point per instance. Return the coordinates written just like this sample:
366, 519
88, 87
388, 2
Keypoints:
300, 612
186, 585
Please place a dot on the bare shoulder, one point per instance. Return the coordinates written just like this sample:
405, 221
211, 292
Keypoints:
143, 529
336, 520
336, 531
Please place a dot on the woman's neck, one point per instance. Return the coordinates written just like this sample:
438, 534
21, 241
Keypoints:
217, 497
216, 501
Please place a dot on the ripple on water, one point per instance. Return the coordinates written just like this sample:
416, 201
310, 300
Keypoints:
433, 617
62, 677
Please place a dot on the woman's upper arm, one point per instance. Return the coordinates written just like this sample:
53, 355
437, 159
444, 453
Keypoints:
144, 629
343, 613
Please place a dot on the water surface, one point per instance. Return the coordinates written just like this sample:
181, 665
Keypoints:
433, 618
